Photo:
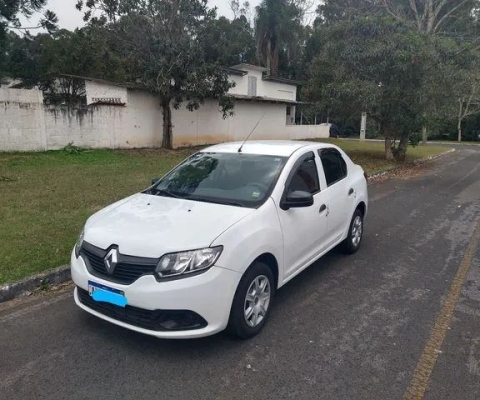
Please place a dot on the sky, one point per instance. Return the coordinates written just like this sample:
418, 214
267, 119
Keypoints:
70, 18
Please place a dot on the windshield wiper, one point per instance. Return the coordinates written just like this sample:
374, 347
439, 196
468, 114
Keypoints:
225, 203
165, 192
231, 203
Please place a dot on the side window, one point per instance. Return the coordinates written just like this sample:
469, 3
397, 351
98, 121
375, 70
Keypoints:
334, 165
305, 178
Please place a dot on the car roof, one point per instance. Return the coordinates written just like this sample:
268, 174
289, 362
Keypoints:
281, 148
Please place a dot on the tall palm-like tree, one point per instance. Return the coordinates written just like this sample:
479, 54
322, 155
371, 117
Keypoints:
278, 25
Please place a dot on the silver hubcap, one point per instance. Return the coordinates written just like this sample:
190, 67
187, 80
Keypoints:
357, 231
257, 301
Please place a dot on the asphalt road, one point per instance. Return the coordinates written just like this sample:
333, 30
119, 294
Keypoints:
347, 328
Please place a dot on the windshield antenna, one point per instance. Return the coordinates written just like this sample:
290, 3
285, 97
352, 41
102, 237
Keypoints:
250, 134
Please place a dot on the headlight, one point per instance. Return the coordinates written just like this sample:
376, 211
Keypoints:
78, 245
186, 262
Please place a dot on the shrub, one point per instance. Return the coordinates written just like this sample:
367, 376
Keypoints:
415, 139
72, 149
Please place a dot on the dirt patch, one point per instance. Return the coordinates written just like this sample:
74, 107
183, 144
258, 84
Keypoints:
407, 171
147, 152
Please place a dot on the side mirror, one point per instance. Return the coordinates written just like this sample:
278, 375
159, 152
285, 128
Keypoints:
298, 199
155, 181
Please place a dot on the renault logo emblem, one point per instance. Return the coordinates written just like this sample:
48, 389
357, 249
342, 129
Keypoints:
111, 260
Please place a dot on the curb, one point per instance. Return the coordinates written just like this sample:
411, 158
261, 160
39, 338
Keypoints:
62, 274
27, 285
456, 143
416, 162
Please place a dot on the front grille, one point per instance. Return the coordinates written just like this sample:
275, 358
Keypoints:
127, 271
156, 320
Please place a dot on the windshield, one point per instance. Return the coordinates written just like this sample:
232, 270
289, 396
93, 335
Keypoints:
238, 179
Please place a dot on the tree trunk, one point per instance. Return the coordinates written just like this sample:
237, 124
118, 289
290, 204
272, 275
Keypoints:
460, 117
401, 153
424, 135
269, 58
459, 130
167, 124
429, 13
388, 149
384, 131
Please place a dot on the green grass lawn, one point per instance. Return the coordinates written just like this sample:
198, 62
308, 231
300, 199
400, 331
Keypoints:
370, 155
45, 198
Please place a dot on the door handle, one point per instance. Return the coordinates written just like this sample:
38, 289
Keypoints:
322, 208
350, 192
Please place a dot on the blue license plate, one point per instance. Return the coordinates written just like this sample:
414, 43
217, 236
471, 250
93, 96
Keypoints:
105, 294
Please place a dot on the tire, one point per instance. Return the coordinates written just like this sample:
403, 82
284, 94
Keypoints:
239, 325
353, 241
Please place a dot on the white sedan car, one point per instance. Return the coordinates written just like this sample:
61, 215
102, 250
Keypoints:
206, 246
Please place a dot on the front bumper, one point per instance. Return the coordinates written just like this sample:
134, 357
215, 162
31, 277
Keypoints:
210, 295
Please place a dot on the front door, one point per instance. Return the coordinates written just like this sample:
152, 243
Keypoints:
304, 229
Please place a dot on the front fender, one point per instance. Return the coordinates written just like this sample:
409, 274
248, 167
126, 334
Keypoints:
257, 234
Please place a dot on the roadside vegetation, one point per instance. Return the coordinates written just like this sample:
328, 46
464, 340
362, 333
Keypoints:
47, 197
412, 66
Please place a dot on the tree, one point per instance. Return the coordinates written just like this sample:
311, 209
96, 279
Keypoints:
378, 65
432, 16
333, 11
11, 9
278, 29
99, 12
84, 52
456, 20
162, 43
240, 10
44, 61
230, 42
26, 58
452, 18
468, 100
307, 9
9, 19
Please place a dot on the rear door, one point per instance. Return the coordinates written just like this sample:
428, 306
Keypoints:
341, 195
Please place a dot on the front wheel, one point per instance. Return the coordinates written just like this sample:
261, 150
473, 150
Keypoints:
355, 233
252, 302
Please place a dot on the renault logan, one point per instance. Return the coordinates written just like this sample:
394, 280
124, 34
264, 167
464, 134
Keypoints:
206, 246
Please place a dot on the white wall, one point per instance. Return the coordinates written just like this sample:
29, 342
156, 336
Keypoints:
277, 90
241, 85
97, 90
85, 127
299, 132
207, 125
22, 120
27, 125
137, 125
265, 88
143, 123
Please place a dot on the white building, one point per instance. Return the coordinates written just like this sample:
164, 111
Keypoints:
271, 101
122, 116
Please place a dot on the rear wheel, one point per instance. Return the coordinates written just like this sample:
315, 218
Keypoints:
252, 302
355, 233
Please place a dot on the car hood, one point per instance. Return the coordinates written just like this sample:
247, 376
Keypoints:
150, 226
